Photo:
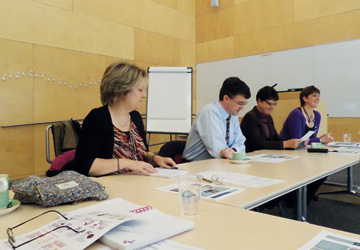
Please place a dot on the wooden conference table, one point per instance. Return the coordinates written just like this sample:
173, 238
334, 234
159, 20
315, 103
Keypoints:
216, 227
296, 173
219, 225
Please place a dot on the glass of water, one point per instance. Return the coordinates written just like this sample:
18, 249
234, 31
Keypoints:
189, 194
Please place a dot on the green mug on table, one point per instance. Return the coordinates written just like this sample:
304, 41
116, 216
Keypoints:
238, 156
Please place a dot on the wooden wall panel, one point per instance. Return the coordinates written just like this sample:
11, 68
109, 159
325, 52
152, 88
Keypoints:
17, 152
187, 6
96, 8
214, 50
339, 126
332, 29
279, 38
304, 33
169, 3
187, 56
73, 92
154, 48
64, 4
16, 105
262, 14
354, 24
310, 9
16, 90
204, 6
46, 25
215, 25
155, 17
241, 1
40, 165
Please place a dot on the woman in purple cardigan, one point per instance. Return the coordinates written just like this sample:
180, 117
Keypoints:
305, 118
298, 123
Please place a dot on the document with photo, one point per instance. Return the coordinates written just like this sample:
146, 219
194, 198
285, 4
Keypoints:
241, 179
344, 144
208, 191
326, 240
271, 158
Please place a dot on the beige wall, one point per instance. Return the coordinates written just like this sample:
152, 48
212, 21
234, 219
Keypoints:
249, 27
60, 48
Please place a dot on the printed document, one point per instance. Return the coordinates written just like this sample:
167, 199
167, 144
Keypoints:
241, 179
271, 158
208, 191
326, 240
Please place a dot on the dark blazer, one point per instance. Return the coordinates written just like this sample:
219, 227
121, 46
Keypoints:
253, 129
97, 139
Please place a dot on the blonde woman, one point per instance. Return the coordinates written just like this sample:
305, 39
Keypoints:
113, 139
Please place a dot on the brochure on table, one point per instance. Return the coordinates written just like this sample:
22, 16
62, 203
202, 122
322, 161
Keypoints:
94, 221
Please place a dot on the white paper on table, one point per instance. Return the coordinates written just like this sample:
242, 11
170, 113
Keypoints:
344, 144
345, 151
169, 173
242, 179
208, 191
326, 240
271, 158
307, 135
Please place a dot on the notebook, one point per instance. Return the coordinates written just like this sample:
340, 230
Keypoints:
150, 227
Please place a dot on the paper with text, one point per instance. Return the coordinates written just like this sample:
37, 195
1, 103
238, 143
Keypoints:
242, 179
326, 240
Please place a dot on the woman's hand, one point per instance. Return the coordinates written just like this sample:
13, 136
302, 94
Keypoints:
326, 138
164, 162
292, 143
141, 167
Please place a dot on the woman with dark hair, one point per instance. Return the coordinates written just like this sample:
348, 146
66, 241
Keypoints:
305, 118
113, 139
299, 122
258, 125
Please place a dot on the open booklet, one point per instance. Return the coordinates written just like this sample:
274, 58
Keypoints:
139, 227
152, 226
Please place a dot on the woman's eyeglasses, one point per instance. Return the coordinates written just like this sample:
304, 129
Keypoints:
272, 104
11, 234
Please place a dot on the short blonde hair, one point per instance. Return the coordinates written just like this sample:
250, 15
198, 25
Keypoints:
119, 79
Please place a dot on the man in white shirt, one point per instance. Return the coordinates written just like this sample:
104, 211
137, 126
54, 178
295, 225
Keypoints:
216, 132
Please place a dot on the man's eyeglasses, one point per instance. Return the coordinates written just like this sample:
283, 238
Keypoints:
240, 103
11, 234
272, 104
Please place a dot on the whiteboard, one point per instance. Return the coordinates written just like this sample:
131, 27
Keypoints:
333, 68
169, 100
